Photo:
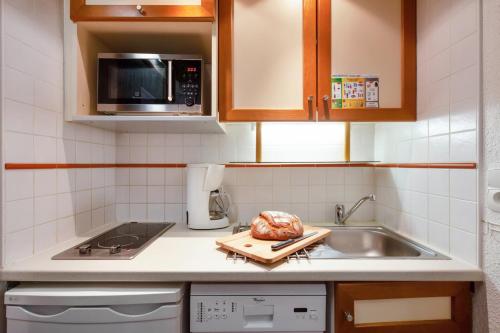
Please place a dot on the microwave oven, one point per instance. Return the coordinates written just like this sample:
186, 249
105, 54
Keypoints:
139, 83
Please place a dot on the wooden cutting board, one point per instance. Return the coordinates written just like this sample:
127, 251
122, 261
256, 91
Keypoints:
243, 243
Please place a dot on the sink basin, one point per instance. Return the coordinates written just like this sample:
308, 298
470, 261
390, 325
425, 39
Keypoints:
370, 242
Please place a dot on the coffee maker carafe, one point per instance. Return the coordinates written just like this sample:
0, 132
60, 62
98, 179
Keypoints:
207, 203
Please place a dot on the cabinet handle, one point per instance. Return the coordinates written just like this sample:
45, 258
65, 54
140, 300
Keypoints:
170, 96
326, 108
310, 106
348, 316
140, 9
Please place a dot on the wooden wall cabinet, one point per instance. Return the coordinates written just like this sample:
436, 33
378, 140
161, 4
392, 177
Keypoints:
369, 37
149, 10
402, 307
267, 60
276, 65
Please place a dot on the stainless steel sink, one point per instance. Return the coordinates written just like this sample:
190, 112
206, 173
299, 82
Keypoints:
370, 242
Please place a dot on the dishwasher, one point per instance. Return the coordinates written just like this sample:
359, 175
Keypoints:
258, 308
95, 308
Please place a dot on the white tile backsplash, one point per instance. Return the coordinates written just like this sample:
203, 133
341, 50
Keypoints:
66, 228
301, 190
439, 149
447, 109
19, 215
41, 204
45, 182
439, 237
439, 209
45, 236
463, 215
45, 209
463, 146
463, 245
18, 117
19, 147
439, 181
19, 184
14, 252
463, 184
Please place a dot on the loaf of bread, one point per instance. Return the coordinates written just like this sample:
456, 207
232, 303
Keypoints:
271, 225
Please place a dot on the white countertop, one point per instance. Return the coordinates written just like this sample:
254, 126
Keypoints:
189, 255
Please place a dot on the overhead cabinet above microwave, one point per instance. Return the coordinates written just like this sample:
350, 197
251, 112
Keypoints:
145, 10
277, 58
141, 76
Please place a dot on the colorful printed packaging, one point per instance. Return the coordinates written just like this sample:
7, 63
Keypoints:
371, 87
336, 92
353, 91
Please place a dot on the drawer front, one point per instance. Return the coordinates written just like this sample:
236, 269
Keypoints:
403, 307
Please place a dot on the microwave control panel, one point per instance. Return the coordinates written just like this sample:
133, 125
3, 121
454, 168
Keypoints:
188, 85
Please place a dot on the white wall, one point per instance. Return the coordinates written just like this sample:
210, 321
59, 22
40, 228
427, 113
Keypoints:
152, 194
159, 193
437, 206
155, 194
487, 304
44, 207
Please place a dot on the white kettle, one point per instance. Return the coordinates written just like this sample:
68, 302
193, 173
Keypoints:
207, 204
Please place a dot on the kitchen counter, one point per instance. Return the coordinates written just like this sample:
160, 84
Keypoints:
190, 255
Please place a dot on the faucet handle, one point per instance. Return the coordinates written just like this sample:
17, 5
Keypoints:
339, 213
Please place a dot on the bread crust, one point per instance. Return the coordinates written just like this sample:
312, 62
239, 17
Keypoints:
270, 225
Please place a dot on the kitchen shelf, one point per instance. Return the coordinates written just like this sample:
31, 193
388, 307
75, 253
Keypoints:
154, 124
82, 43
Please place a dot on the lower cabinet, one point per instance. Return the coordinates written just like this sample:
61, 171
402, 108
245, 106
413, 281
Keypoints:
402, 307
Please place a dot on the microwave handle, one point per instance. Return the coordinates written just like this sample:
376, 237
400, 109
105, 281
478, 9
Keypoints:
170, 97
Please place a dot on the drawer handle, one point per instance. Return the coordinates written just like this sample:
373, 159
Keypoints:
140, 9
348, 316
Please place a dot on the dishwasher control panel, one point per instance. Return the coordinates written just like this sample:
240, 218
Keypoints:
257, 313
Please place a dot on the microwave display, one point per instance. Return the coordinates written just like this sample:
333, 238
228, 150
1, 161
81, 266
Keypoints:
136, 83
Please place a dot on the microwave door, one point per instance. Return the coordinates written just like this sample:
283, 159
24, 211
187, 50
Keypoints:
133, 85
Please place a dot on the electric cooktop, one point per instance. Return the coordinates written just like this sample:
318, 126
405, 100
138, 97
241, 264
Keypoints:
122, 242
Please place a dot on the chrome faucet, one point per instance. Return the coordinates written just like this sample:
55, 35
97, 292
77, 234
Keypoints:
341, 216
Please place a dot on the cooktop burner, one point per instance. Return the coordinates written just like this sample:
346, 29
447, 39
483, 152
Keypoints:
122, 242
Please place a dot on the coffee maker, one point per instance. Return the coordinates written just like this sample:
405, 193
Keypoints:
207, 203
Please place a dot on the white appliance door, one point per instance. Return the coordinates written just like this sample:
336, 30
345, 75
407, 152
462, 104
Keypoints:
144, 318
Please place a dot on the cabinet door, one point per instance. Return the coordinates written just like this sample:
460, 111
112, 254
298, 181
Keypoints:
372, 37
149, 10
403, 307
267, 60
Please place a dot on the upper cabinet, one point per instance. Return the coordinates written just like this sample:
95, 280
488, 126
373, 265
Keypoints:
368, 37
142, 10
267, 60
277, 58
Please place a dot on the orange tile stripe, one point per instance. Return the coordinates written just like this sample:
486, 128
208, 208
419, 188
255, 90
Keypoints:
427, 165
29, 166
